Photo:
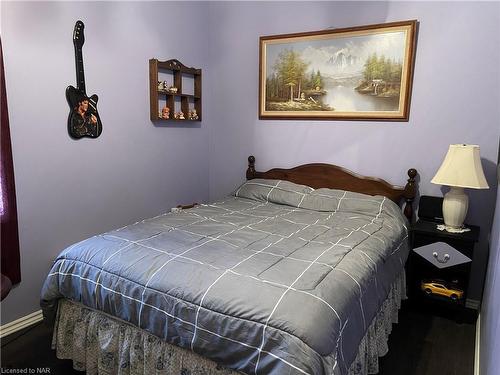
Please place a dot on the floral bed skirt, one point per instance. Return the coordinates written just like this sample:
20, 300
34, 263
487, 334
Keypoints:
100, 344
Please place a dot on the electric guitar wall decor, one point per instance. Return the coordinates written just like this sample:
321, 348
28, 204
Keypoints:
83, 119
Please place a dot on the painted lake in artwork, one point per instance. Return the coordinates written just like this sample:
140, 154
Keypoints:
346, 99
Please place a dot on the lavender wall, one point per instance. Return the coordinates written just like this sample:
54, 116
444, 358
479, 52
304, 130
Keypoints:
68, 190
455, 97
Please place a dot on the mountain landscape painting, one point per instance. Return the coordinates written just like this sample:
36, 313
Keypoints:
356, 73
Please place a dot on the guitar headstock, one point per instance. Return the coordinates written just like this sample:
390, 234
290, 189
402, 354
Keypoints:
78, 37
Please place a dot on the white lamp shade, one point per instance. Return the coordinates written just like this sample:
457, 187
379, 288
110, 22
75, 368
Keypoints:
462, 168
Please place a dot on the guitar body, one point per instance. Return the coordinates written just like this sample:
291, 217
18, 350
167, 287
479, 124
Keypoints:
83, 119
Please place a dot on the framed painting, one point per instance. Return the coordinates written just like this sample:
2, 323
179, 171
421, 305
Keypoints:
355, 73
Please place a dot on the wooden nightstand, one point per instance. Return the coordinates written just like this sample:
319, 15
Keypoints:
425, 265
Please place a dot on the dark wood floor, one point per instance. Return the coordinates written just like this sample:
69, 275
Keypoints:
30, 349
429, 344
421, 344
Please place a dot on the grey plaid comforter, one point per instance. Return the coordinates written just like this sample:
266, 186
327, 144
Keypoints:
277, 279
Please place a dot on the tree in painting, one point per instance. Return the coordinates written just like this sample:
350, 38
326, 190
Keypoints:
382, 77
290, 84
290, 69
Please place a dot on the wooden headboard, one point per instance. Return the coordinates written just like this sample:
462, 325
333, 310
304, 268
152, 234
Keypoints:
319, 175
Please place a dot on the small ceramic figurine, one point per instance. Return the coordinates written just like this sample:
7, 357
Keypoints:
192, 115
165, 113
160, 85
173, 89
165, 85
179, 115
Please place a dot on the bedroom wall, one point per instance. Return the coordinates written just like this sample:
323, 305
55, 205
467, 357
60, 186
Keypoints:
455, 98
68, 190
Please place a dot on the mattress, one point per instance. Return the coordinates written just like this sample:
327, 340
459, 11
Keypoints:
278, 278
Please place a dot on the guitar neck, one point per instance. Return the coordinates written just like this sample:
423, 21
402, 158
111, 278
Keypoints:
80, 76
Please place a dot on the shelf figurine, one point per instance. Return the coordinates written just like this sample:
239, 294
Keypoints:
165, 113
179, 115
192, 115
163, 86
173, 90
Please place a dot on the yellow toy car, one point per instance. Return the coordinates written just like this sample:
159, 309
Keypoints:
441, 288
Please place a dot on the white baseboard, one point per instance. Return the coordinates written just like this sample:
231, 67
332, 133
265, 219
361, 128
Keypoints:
476, 346
21, 323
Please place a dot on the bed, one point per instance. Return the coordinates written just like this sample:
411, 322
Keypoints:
299, 271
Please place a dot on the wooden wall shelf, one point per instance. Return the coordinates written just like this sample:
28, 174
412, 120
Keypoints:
187, 101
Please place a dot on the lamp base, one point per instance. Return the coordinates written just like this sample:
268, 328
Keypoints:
455, 206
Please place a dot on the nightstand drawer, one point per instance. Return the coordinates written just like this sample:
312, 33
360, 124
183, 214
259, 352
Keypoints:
442, 255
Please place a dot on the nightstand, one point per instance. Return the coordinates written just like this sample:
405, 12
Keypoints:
445, 259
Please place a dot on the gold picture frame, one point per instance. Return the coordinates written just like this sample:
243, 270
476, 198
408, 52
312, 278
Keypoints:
355, 73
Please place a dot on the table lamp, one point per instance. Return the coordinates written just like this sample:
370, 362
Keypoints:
461, 169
